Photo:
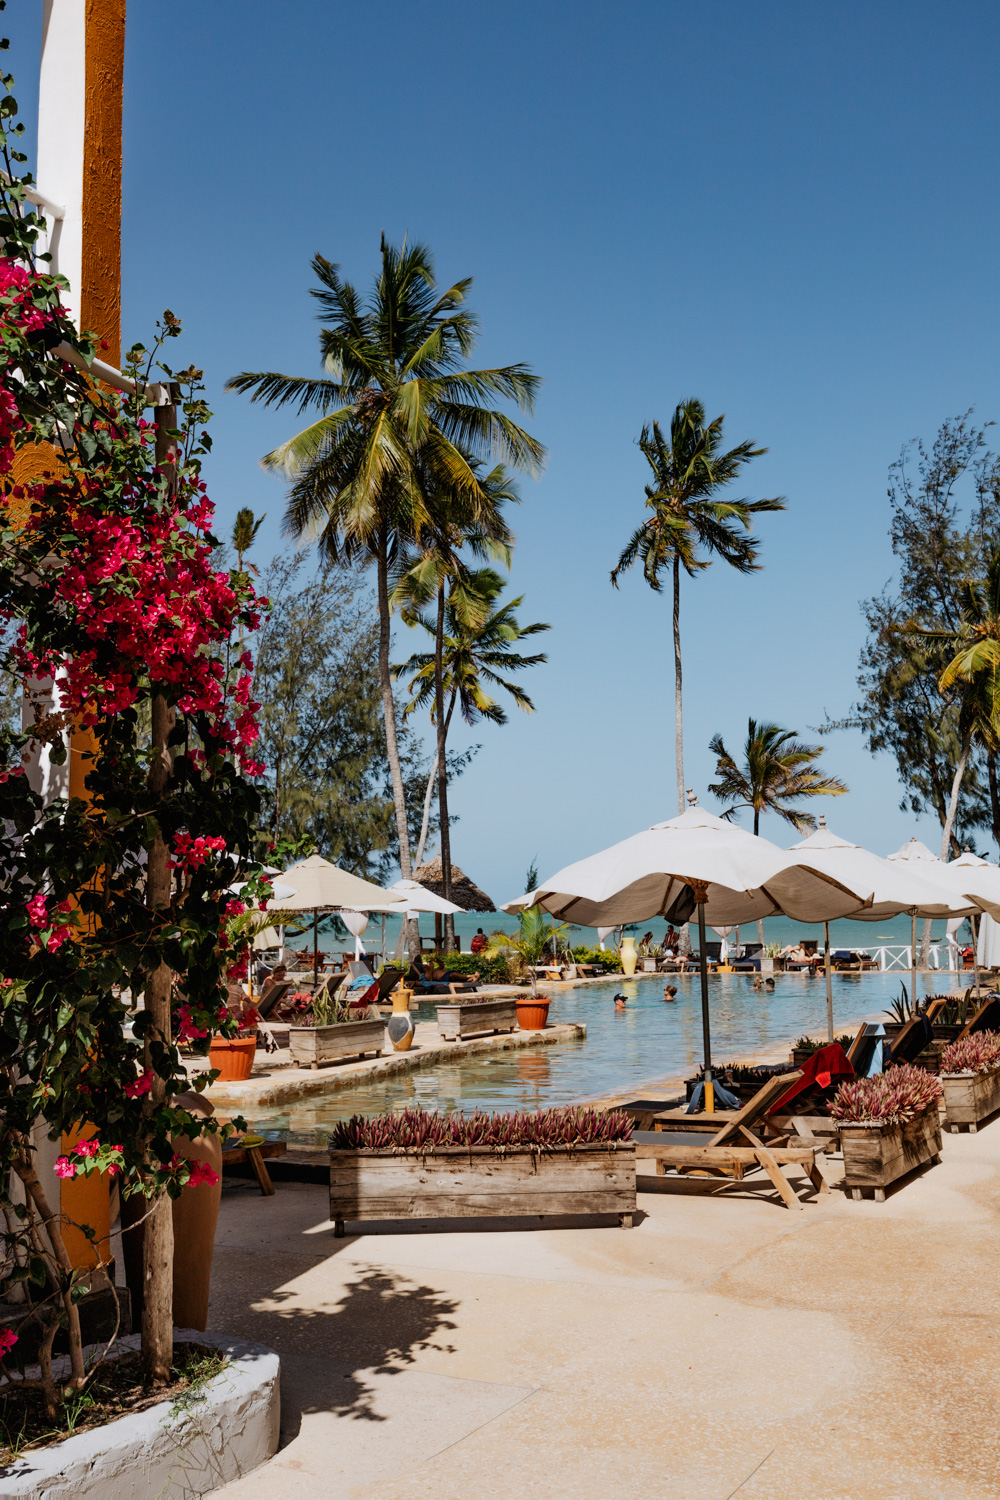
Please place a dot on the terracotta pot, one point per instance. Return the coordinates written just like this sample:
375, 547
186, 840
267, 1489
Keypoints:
533, 1013
233, 1056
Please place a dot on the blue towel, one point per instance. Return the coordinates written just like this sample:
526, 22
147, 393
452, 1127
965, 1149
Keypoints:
723, 1098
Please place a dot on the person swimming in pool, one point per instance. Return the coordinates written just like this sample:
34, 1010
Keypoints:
670, 992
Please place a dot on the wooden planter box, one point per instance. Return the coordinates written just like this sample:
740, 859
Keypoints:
875, 1155
471, 1182
460, 1020
969, 1098
312, 1046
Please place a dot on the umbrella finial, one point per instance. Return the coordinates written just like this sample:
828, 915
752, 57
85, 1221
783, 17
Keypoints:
692, 797
822, 820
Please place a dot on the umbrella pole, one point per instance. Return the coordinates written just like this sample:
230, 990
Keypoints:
315, 947
975, 954
913, 961
829, 983
701, 892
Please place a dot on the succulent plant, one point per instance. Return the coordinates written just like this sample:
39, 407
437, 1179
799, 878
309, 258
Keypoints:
890, 1098
814, 1044
421, 1130
978, 1053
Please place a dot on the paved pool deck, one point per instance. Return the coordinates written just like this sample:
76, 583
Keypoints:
725, 1348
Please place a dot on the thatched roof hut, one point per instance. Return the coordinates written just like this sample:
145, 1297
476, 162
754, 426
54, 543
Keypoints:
464, 892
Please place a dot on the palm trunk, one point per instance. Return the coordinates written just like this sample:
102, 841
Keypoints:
425, 824
678, 707
684, 936
442, 763
391, 742
991, 771
949, 823
956, 787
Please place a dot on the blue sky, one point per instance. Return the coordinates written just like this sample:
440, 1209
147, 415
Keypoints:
789, 211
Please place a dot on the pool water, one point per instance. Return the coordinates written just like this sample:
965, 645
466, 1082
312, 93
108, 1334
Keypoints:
650, 1040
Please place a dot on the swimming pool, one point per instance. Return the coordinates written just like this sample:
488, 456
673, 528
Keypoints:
623, 1049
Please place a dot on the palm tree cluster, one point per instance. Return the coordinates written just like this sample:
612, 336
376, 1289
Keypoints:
406, 468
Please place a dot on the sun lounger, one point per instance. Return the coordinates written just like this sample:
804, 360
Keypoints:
915, 1036
272, 996
987, 1018
866, 1053
733, 1146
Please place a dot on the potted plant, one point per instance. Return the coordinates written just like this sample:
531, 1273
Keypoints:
804, 1048
888, 1125
412, 1164
535, 933
335, 1029
771, 960
970, 1079
233, 1055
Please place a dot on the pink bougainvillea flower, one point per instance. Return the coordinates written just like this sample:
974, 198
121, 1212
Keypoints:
64, 1167
202, 1173
140, 1086
8, 1338
87, 1148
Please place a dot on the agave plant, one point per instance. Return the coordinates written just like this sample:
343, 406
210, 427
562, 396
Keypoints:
978, 1053
812, 1044
414, 1129
890, 1098
902, 1008
529, 943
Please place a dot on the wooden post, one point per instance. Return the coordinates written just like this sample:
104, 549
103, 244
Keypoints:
700, 889
829, 984
913, 959
158, 1239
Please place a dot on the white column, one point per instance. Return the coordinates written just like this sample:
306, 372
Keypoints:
61, 122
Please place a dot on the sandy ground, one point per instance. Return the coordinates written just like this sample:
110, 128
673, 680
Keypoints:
724, 1347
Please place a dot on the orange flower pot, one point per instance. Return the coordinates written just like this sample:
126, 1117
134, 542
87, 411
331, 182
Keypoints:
233, 1056
532, 1014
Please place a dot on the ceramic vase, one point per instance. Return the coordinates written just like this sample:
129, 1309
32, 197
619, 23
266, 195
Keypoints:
628, 955
400, 1024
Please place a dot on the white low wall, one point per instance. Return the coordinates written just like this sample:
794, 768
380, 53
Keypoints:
172, 1450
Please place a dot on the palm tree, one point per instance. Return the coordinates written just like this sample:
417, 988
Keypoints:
439, 572
688, 470
973, 672
777, 771
474, 645
398, 413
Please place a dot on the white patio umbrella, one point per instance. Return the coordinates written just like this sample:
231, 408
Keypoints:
320, 885
694, 860
967, 874
895, 888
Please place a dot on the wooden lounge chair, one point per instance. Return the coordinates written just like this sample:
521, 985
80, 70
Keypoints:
732, 1146
272, 996
987, 1018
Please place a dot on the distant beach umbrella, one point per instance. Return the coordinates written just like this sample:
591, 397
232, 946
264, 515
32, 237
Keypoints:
322, 886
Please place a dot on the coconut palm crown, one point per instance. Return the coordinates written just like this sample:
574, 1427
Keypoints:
687, 521
777, 771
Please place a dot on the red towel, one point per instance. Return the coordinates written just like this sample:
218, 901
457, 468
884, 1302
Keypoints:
823, 1068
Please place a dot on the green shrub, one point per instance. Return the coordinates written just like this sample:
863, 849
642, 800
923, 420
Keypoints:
607, 958
496, 970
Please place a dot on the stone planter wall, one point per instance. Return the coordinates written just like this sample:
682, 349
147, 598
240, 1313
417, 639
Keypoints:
969, 1098
184, 1450
876, 1155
